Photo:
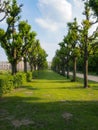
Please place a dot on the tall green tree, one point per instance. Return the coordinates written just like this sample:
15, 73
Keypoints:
73, 40
10, 39
64, 53
37, 56
28, 39
32, 55
56, 62
86, 39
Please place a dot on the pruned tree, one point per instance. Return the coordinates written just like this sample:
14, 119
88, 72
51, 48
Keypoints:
28, 39
86, 39
37, 56
10, 39
73, 40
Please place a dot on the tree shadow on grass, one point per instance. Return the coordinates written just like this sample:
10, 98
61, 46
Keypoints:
60, 115
29, 87
48, 75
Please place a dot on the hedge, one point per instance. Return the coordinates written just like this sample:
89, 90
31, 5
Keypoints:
19, 79
29, 76
6, 84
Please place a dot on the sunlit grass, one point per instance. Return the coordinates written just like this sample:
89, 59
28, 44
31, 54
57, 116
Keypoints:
50, 102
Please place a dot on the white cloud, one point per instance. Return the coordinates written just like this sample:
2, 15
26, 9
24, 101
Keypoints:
78, 8
54, 13
78, 3
45, 24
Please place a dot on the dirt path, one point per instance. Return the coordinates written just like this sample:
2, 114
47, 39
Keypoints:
90, 77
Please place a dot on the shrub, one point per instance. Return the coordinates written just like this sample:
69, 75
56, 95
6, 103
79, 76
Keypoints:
6, 84
29, 76
35, 74
19, 79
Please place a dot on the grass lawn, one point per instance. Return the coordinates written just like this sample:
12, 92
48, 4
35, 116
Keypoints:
50, 102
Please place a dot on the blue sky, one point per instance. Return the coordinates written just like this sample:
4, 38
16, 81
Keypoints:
48, 18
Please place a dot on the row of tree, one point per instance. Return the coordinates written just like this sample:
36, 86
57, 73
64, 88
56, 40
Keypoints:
78, 43
19, 41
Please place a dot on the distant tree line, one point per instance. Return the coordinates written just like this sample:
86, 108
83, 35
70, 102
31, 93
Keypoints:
18, 40
79, 49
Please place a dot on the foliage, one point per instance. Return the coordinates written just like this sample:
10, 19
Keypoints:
19, 79
29, 76
37, 56
86, 39
78, 41
6, 84
94, 5
10, 40
69, 50
28, 38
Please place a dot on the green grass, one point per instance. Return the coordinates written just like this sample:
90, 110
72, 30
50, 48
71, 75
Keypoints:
50, 102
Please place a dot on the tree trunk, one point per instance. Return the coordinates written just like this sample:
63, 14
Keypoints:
74, 69
67, 72
31, 68
63, 70
86, 65
14, 68
34, 66
67, 67
85, 72
25, 64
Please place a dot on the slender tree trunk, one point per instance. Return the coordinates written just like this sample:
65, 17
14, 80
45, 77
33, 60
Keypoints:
74, 69
85, 72
25, 64
34, 66
67, 72
86, 65
63, 70
14, 68
31, 68
67, 67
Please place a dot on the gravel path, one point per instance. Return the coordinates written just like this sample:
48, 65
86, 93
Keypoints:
90, 77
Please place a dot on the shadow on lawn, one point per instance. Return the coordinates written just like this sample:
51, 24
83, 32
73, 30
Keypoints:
48, 116
29, 87
48, 75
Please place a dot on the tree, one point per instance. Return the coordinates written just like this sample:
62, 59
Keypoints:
68, 51
86, 40
64, 56
10, 39
32, 54
37, 56
73, 40
28, 39
57, 62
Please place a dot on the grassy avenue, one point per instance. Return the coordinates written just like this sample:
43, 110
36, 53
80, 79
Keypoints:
50, 102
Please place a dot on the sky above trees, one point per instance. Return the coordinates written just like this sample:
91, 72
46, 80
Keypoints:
49, 19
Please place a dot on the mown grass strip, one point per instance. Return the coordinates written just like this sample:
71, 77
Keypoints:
50, 102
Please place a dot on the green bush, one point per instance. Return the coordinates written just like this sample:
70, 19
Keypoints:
29, 76
35, 74
6, 84
19, 79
